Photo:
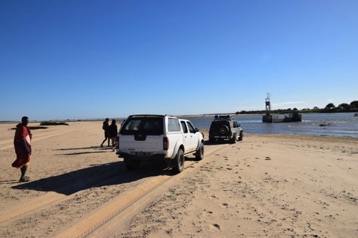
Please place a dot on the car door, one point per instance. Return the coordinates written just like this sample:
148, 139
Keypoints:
193, 136
188, 136
236, 128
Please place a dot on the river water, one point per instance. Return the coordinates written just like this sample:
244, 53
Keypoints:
323, 124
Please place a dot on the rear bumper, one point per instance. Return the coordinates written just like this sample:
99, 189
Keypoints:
142, 156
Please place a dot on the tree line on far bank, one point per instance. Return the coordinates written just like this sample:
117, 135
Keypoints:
329, 108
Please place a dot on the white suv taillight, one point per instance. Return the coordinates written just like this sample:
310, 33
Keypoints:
165, 143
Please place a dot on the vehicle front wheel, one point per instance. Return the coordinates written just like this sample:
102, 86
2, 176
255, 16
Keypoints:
199, 155
178, 162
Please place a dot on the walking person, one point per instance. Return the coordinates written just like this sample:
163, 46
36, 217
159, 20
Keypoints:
105, 127
112, 131
22, 144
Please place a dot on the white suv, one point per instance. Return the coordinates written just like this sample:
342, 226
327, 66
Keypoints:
158, 137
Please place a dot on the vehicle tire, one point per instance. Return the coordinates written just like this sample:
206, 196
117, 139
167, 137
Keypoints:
233, 139
211, 140
199, 155
131, 164
178, 162
223, 130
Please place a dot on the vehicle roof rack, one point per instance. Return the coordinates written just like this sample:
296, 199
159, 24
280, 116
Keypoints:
223, 117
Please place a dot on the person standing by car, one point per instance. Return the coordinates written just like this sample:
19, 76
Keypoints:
112, 131
22, 144
105, 127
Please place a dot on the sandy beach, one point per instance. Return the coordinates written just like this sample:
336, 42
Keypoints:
265, 185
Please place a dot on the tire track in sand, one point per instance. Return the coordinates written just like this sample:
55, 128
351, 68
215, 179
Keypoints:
114, 208
34, 204
42, 201
103, 214
50, 198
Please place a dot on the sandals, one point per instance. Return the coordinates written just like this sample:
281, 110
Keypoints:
24, 179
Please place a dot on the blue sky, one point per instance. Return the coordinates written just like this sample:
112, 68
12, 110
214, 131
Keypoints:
94, 59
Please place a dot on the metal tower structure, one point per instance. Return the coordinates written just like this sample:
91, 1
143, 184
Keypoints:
268, 105
267, 117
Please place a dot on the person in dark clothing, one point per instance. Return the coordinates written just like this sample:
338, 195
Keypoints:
22, 144
112, 131
105, 127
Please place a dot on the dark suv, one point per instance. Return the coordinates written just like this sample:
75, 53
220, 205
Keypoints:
225, 128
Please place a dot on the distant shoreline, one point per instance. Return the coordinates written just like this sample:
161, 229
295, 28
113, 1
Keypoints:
275, 112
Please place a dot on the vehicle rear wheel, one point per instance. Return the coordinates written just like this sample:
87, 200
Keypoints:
199, 155
178, 162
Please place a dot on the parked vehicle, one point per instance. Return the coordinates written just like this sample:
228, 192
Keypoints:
225, 128
158, 137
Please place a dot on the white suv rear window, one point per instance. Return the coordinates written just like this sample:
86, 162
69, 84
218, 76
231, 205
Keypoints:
173, 124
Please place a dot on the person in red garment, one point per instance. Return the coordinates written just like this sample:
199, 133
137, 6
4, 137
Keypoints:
22, 144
